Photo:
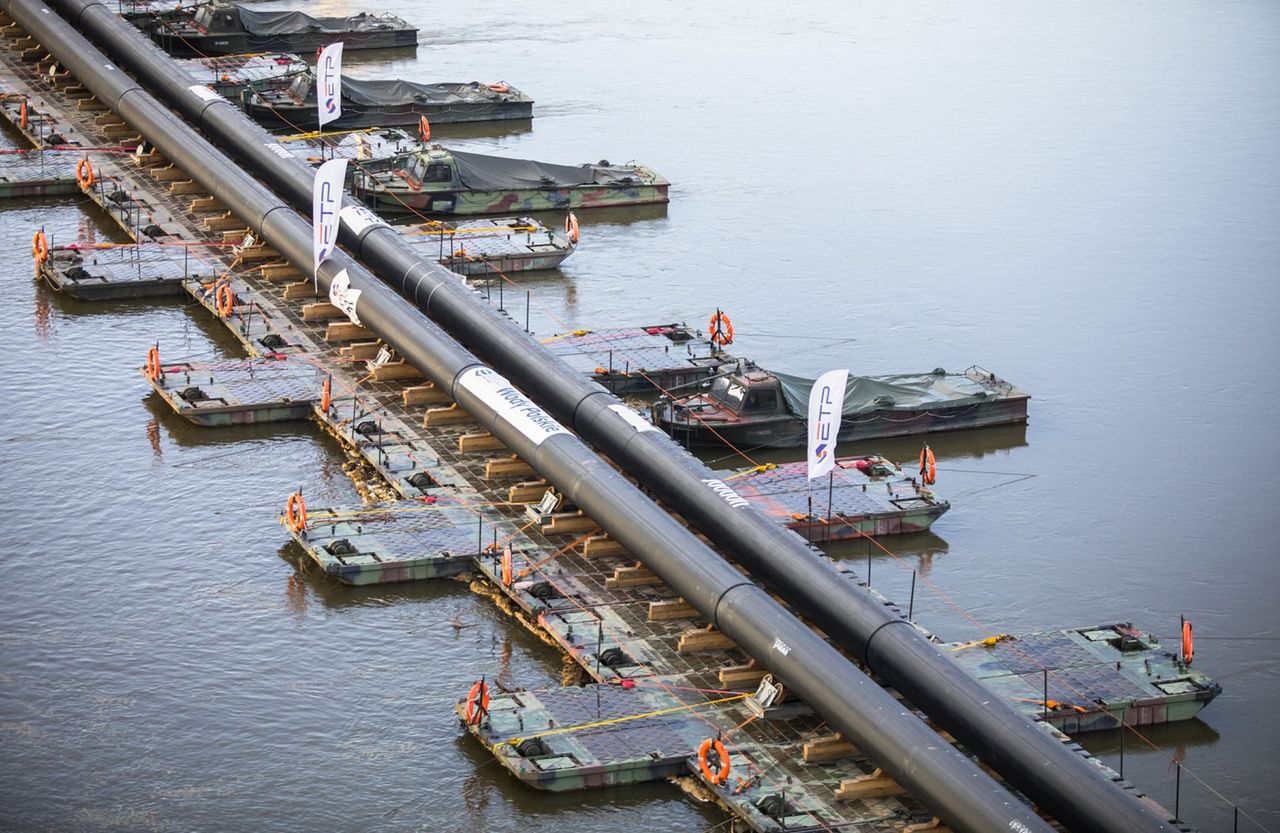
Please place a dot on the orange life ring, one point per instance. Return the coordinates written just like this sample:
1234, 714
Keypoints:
506, 567
500, 87
477, 703
153, 363
224, 300
40, 246
721, 773
84, 173
295, 512
721, 329
325, 399
424, 129
928, 466
571, 228
22, 114
1188, 643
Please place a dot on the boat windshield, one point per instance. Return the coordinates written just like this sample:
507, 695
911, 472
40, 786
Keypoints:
728, 393
416, 168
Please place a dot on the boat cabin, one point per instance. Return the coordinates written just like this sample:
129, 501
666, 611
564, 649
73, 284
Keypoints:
748, 393
218, 19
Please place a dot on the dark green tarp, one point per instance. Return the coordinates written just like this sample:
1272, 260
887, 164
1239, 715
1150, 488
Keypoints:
480, 172
907, 390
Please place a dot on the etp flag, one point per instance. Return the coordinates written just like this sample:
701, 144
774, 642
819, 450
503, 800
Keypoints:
329, 83
826, 403
326, 200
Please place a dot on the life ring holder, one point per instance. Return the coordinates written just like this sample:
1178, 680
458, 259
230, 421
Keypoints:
477, 703
721, 329
84, 174
928, 466
40, 246
295, 513
152, 369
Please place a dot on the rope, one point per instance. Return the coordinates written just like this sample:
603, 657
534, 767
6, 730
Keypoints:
614, 721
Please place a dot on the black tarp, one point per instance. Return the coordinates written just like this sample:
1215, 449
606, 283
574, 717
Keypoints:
398, 93
479, 172
258, 22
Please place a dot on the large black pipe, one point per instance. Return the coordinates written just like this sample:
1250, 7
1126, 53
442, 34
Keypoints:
1056, 778
951, 784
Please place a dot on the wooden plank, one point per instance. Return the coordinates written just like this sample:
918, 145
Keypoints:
279, 272
121, 129
449, 415
186, 186
829, 748
223, 223
742, 676
631, 577
600, 545
703, 639
301, 289
321, 311
345, 331
511, 466
567, 522
206, 204
934, 825
259, 252
392, 371
875, 785
480, 442
427, 394
234, 236
671, 609
530, 491
169, 173
150, 159
360, 350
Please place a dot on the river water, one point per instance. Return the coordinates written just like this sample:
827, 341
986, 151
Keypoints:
1081, 197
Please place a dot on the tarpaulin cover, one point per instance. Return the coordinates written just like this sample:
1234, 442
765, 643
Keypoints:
258, 22
400, 93
871, 393
492, 173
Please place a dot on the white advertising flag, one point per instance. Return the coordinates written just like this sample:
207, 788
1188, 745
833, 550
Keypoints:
326, 201
329, 83
826, 402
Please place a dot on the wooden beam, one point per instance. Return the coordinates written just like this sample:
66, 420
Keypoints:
321, 311
258, 252
530, 491
301, 289
875, 785
483, 441
671, 609
511, 466
703, 639
360, 350
279, 272
222, 223
169, 173
393, 371
934, 825
601, 545
631, 577
449, 415
206, 204
345, 331
427, 394
742, 676
567, 522
235, 236
829, 748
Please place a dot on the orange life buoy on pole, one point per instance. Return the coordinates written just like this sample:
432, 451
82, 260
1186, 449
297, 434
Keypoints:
84, 173
477, 703
721, 329
507, 571
295, 512
571, 228
22, 114
224, 300
721, 773
40, 246
928, 466
153, 363
325, 399
424, 129
1188, 643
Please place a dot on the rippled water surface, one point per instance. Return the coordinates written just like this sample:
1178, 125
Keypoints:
1083, 198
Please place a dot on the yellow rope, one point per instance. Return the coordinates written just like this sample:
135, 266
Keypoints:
316, 134
989, 642
599, 723
755, 470
451, 231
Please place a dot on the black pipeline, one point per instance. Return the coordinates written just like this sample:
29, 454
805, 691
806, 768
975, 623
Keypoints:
1056, 778
948, 782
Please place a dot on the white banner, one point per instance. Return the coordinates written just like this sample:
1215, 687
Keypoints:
826, 403
510, 404
326, 200
329, 83
342, 296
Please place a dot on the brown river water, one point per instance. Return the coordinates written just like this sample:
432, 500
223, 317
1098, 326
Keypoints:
1081, 197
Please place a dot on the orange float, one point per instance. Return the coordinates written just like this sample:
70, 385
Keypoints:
295, 512
721, 773
928, 466
40, 246
424, 129
224, 300
571, 228
477, 703
84, 174
721, 329
1188, 643
325, 389
153, 363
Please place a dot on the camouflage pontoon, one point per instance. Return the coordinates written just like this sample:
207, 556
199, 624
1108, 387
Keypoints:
753, 407
230, 28
439, 181
388, 103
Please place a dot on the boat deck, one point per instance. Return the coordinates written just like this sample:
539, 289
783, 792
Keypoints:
503, 245
565, 580
108, 272
641, 360
38, 173
240, 393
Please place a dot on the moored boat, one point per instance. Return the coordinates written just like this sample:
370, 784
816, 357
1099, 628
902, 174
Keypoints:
753, 407
230, 75
228, 28
439, 181
388, 103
